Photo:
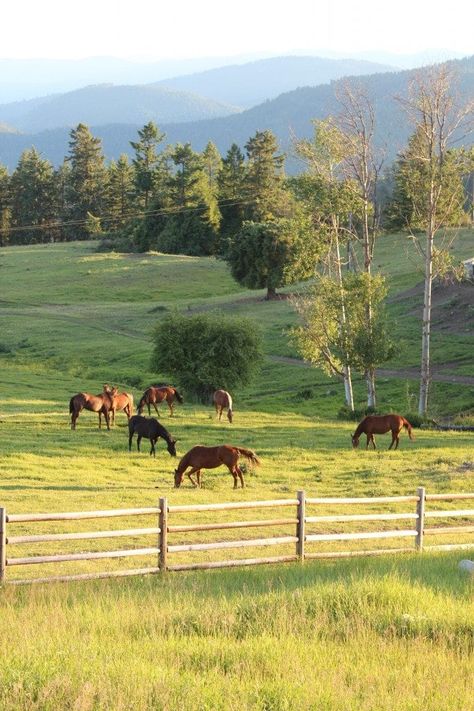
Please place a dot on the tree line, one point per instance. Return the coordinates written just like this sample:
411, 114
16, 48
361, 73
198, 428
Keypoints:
273, 229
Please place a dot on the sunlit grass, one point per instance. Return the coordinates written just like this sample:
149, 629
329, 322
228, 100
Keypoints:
393, 633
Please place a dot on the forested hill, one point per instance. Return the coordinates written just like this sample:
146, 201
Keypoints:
106, 104
250, 84
288, 114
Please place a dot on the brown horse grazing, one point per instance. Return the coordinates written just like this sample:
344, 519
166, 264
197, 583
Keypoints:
153, 396
95, 403
201, 457
120, 402
380, 424
152, 430
222, 400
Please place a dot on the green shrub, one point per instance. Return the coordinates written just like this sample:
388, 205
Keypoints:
204, 352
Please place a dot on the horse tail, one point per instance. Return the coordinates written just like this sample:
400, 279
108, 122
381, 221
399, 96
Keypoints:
71, 404
408, 428
178, 396
130, 402
248, 454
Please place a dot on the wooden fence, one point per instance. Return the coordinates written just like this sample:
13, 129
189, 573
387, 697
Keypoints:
301, 539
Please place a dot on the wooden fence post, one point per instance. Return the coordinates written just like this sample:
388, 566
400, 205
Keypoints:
163, 536
420, 521
3, 543
300, 526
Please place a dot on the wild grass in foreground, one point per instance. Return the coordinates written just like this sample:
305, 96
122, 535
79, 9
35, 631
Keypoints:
369, 635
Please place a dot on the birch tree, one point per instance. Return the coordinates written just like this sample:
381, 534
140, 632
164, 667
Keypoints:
362, 164
440, 121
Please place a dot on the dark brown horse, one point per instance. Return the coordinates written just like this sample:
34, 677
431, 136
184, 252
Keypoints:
222, 401
152, 430
380, 424
101, 403
200, 457
120, 402
154, 395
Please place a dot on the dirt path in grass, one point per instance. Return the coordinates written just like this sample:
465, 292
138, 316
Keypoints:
410, 373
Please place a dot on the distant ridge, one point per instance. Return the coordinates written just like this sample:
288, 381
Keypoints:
106, 103
249, 84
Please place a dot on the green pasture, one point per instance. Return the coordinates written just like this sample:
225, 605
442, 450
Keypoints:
388, 633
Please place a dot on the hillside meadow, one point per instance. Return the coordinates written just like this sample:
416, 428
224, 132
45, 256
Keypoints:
388, 633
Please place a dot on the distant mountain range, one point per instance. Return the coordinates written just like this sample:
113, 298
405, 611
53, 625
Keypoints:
288, 114
22, 79
204, 95
250, 84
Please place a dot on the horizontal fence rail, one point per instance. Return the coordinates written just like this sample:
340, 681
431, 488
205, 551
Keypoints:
308, 531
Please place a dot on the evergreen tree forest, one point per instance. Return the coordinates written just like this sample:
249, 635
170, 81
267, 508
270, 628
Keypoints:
173, 199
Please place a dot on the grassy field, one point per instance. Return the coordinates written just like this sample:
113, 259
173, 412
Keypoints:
393, 633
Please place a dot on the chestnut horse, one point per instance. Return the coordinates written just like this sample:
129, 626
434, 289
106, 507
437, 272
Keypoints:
152, 430
380, 424
101, 403
120, 402
200, 457
222, 400
154, 395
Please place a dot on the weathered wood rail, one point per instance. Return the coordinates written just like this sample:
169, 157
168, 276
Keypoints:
302, 538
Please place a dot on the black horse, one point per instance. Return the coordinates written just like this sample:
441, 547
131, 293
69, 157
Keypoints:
151, 429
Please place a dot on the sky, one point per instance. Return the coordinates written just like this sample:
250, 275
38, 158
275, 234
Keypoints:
173, 29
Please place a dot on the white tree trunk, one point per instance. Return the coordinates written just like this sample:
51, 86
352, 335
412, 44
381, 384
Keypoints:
370, 379
426, 325
348, 388
343, 326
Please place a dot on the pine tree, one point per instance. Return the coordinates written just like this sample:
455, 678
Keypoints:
33, 199
231, 182
120, 191
149, 165
4, 206
86, 186
264, 181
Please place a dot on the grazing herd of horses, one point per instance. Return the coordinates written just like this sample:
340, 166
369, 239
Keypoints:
110, 401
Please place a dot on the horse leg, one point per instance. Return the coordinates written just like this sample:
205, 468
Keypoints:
100, 419
74, 416
152, 450
369, 437
373, 442
234, 474
170, 405
139, 439
394, 437
198, 476
241, 476
130, 437
154, 405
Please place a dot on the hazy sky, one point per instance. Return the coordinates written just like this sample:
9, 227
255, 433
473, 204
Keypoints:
190, 28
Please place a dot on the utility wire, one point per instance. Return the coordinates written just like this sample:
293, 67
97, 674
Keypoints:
127, 216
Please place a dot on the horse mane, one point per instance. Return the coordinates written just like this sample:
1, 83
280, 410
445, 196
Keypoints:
360, 428
162, 431
178, 396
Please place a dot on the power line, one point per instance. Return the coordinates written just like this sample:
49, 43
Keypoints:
127, 216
